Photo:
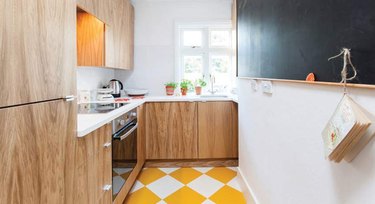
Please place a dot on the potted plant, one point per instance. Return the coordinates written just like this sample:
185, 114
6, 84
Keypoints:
199, 84
170, 87
185, 85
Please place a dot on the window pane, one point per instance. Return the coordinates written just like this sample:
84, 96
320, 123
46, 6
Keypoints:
220, 38
193, 67
220, 66
192, 38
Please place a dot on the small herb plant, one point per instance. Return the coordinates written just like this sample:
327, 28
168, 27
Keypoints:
186, 84
172, 84
200, 83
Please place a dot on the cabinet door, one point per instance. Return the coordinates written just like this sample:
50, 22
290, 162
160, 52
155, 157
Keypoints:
217, 127
37, 153
102, 9
171, 130
120, 36
93, 166
38, 50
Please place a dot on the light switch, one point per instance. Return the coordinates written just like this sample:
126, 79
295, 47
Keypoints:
267, 87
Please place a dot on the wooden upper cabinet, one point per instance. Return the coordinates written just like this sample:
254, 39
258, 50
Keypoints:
218, 130
90, 40
120, 37
37, 153
118, 16
171, 130
38, 50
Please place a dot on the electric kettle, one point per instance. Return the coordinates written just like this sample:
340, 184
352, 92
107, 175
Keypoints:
116, 86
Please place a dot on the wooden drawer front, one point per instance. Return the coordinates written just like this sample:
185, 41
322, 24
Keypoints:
171, 130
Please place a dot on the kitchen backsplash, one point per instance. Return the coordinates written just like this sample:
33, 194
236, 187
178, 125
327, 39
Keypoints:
90, 78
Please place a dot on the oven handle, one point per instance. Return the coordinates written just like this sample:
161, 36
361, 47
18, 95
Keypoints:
122, 137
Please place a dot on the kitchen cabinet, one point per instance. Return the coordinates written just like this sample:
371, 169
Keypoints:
93, 161
37, 153
218, 130
38, 52
171, 130
118, 16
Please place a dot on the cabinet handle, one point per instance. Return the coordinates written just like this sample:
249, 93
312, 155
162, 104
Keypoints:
107, 187
69, 98
107, 145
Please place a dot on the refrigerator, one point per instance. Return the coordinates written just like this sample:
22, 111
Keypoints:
37, 106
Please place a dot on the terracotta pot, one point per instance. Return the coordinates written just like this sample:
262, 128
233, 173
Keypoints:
169, 90
184, 91
198, 90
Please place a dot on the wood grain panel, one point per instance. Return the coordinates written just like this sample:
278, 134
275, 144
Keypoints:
36, 153
102, 9
141, 151
191, 163
216, 127
171, 130
93, 163
90, 40
38, 51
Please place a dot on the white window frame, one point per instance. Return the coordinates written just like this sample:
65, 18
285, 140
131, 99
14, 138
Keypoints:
205, 50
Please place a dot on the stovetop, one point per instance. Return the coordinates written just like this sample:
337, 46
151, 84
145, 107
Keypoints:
95, 108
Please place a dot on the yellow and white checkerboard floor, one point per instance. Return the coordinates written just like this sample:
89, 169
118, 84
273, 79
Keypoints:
187, 186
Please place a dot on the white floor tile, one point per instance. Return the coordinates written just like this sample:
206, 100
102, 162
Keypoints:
137, 185
203, 169
168, 170
161, 202
208, 201
165, 186
233, 168
205, 185
117, 183
234, 183
122, 170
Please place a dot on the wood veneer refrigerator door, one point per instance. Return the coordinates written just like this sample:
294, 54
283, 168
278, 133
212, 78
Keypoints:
37, 153
38, 50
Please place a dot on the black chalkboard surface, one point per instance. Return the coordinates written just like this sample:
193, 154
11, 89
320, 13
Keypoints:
287, 39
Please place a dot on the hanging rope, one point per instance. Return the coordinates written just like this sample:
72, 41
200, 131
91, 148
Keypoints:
344, 72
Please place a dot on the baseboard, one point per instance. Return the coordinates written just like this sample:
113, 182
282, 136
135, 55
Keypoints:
192, 163
247, 191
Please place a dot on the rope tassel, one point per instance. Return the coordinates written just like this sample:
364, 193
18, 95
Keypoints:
344, 72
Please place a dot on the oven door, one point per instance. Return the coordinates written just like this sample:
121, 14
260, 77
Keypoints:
124, 155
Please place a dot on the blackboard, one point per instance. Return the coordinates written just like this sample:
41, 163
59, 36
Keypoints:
288, 39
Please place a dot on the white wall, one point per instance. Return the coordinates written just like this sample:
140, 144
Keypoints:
89, 78
154, 38
281, 150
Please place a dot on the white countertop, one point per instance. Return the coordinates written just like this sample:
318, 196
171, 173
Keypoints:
86, 123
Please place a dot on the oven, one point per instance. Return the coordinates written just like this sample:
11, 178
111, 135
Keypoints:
124, 149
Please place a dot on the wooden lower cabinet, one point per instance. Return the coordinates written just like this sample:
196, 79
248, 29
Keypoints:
93, 162
218, 130
37, 153
171, 130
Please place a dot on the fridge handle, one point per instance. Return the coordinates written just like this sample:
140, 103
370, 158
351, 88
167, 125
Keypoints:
69, 98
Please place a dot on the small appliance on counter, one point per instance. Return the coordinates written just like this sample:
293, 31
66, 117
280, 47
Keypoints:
116, 86
104, 95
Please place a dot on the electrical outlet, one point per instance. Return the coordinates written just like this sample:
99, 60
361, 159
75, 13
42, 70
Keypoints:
267, 87
254, 85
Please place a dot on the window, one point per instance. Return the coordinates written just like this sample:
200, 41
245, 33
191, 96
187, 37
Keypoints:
205, 50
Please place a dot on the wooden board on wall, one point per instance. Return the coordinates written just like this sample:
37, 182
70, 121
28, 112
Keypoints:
217, 127
38, 50
171, 130
288, 40
37, 153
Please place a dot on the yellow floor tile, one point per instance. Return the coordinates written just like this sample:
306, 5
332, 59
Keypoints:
142, 196
222, 174
150, 175
185, 175
185, 196
228, 195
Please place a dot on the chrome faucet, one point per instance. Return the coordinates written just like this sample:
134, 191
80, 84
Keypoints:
212, 81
